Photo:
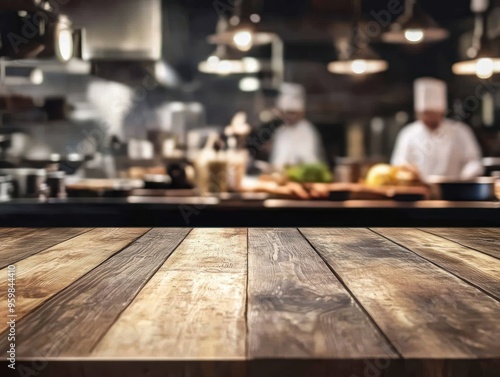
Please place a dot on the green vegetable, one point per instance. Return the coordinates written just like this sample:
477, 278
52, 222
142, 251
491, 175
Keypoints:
310, 173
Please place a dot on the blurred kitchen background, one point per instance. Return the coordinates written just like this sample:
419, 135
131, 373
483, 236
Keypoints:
99, 84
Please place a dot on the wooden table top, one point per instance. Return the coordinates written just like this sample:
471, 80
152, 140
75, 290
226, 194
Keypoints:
243, 295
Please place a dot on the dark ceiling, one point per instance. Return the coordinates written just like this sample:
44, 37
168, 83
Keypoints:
442, 10
309, 28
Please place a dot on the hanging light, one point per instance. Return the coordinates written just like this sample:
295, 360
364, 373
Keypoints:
241, 31
243, 40
223, 63
485, 60
414, 27
37, 76
360, 61
239, 34
249, 84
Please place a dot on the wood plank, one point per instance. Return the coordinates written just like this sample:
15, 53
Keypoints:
193, 307
72, 322
424, 311
297, 308
19, 243
477, 268
43, 275
484, 240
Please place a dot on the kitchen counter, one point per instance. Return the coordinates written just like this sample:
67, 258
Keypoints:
213, 212
254, 302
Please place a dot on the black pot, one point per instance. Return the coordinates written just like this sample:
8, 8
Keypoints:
179, 175
475, 190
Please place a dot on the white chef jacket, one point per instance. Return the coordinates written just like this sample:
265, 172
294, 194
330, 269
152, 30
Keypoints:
296, 144
450, 151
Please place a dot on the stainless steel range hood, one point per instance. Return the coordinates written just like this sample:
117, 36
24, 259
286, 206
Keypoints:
119, 30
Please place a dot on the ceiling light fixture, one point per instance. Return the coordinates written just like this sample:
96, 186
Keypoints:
222, 62
240, 34
414, 27
358, 60
249, 84
37, 77
360, 65
242, 31
485, 58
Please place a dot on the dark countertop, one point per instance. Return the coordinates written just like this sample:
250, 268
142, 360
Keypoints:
212, 212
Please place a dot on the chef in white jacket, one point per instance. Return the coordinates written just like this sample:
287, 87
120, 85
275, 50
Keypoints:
435, 145
297, 141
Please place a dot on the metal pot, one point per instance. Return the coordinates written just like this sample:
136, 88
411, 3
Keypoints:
479, 189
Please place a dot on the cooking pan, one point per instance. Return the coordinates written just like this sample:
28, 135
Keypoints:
478, 189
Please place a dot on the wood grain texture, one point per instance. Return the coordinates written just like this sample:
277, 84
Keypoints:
424, 311
484, 240
194, 306
43, 275
19, 243
477, 268
73, 321
297, 308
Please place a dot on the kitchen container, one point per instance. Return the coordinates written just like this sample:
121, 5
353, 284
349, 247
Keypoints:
211, 165
56, 184
237, 161
496, 176
478, 189
352, 170
140, 149
6, 187
28, 182
347, 170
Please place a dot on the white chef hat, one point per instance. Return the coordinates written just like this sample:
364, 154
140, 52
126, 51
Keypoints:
430, 94
292, 97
